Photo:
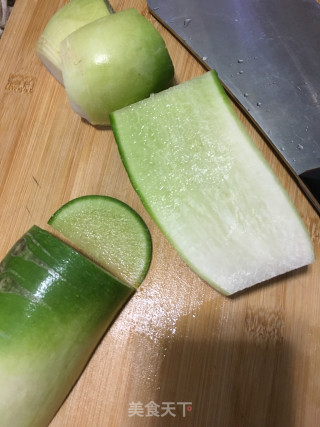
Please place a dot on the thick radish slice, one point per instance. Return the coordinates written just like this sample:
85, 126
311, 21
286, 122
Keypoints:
110, 233
55, 305
208, 187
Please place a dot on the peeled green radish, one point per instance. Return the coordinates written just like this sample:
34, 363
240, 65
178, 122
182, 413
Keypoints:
75, 14
208, 187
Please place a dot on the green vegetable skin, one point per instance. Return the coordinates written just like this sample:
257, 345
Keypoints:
69, 18
55, 305
208, 187
110, 233
113, 62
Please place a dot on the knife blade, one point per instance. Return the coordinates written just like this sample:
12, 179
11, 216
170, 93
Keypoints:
266, 54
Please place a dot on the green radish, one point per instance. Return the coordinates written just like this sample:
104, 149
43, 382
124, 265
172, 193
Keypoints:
113, 62
110, 233
73, 15
208, 187
55, 306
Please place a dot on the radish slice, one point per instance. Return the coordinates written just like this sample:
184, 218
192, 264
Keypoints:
110, 233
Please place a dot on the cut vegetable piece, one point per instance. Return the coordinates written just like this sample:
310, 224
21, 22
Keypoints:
208, 187
110, 233
113, 62
69, 18
55, 305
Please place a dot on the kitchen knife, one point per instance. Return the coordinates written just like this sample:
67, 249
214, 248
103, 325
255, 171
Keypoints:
267, 55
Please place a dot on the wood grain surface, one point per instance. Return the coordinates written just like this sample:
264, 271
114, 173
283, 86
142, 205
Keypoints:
249, 360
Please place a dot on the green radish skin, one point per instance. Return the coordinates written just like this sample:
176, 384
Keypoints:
74, 15
55, 305
110, 233
208, 187
113, 62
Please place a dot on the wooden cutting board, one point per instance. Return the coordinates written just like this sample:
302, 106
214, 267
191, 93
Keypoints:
250, 360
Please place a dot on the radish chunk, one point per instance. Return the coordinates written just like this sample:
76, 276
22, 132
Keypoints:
113, 62
208, 187
74, 15
55, 306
